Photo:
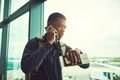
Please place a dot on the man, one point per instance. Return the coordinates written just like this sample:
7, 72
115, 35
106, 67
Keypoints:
43, 62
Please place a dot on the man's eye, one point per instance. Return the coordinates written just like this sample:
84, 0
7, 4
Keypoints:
60, 25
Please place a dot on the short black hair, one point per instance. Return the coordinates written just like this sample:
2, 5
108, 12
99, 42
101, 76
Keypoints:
55, 16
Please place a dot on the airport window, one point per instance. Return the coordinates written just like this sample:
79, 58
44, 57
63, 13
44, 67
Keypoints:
17, 41
15, 32
92, 26
1, 9
16, 4
0, 40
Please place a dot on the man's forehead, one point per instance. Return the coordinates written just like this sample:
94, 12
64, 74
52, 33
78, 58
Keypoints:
60, 20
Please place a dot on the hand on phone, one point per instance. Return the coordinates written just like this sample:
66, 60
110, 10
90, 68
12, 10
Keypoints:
51, 34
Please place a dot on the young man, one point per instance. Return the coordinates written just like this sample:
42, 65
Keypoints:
43, 62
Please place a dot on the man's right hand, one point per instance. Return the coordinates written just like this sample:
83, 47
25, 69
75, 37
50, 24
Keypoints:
52, 35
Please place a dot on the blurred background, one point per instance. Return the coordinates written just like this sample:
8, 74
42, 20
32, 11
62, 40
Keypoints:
92, 26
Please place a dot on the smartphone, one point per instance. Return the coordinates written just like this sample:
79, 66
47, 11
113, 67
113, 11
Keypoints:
49, 27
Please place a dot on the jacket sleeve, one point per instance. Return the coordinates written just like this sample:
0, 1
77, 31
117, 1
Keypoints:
33, 55
84, 66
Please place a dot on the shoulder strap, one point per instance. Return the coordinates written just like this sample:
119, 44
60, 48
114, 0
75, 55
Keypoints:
63, 59
63, 48
41, 42
62, 45
63, 51
27, 76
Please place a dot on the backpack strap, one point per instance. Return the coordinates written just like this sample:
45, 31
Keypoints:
62, 57
41, 42
27, 76
63, 52
63, 60
63, 48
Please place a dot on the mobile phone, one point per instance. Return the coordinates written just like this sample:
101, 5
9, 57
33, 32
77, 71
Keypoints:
49, 27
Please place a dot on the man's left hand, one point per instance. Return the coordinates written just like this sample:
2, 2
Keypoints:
74, 56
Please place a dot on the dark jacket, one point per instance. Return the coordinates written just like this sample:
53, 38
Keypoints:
47, 57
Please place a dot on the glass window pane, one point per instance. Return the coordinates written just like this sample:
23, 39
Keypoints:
1, 9
0, 39
16, 4
95, 26
17, 41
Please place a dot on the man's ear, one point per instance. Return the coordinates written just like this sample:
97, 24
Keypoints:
48, 24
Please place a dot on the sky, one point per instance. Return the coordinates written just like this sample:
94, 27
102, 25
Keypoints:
92, 25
